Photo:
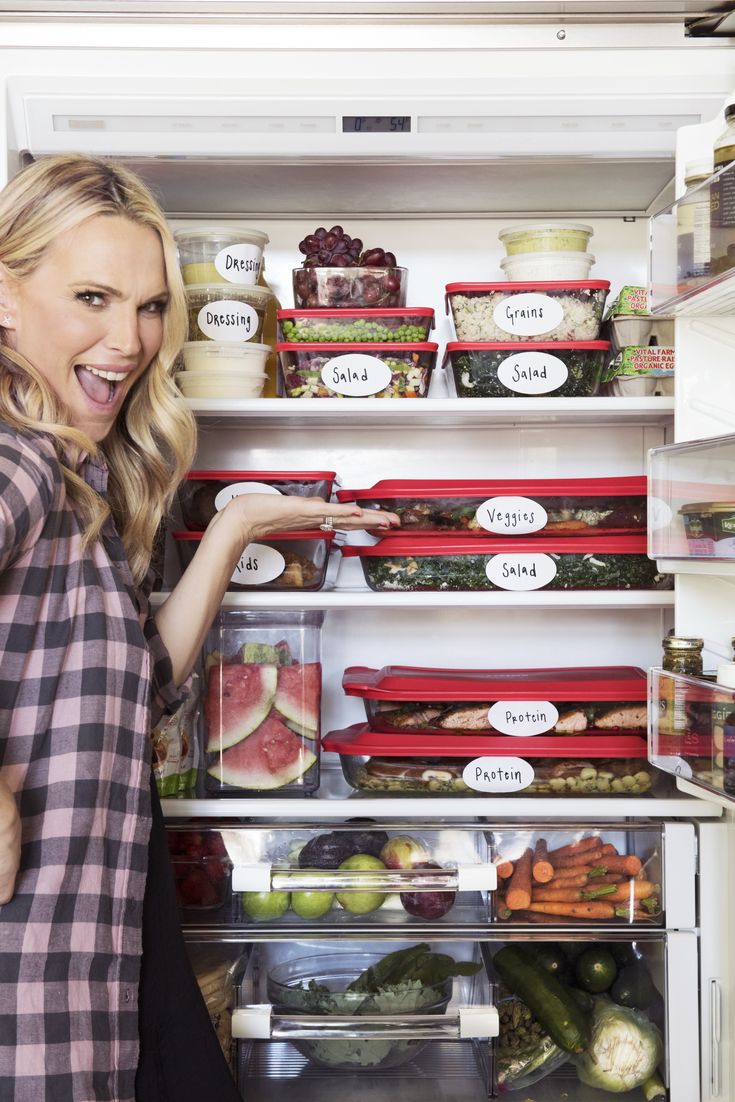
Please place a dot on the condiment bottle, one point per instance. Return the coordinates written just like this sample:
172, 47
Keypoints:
270, 336
723, 727
682, 655
722, 199
693, 226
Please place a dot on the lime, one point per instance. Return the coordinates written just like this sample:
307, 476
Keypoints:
311, 904
261, 906
595, 970
633, 987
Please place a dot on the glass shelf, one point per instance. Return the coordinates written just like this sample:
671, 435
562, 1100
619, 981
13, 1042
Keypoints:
691, 516
692, 732
681, 282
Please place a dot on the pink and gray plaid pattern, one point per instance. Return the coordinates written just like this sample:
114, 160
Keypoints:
81, 668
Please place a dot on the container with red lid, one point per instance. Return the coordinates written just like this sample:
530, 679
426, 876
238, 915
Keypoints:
511, 507
204, 493
476, 765
496, 562
283, 560
536, 369
533, 311
357, 370
592, 701
350, 325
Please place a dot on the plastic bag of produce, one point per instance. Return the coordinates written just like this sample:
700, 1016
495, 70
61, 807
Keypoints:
624, 1051
176, 747
525, 1052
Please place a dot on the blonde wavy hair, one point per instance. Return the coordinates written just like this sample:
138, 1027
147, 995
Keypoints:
152, 443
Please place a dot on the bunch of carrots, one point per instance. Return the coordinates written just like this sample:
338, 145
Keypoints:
585, 879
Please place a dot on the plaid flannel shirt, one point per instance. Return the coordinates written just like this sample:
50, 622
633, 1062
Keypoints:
81, 666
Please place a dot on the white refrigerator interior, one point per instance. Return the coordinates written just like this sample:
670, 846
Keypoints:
237, 117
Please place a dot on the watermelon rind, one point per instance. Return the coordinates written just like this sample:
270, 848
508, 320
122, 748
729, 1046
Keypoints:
260, 681
297, 695
271, 757
305, 732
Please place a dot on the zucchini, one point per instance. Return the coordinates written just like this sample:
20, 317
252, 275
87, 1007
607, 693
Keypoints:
552, 1004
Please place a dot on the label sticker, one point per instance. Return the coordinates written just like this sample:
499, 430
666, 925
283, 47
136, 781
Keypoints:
660, 514
259, 564
498, 774
239, 263
532, 372
523, 717
528, 314
520, 572
228, 320
356, 374
511, 516
235, 489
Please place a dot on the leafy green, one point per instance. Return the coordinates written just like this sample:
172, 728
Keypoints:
624, 1050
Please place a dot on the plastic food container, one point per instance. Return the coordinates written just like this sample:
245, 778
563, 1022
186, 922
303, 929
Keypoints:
546, 368
405, 324
201, 869
592, 701
249, 358
476, 563
369, 288
226, 312
288, 985
514, 507
473, 765
284, 560
262, 693
535, 310
533, 237
208, 254
547, 265
710, 528
357, 370
204, 493
222, 383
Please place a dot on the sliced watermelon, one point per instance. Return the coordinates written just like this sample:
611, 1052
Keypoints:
239, 698
298, 693
271, 757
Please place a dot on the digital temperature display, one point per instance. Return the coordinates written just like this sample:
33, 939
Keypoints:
376, 124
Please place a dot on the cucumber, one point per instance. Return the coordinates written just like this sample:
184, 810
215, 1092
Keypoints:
549, 1001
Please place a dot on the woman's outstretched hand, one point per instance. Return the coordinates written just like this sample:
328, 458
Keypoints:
260, 515
9, 842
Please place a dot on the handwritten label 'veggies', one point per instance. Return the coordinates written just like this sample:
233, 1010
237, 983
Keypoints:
228, 320
259, 564
528, 314
239, 263
235, 489
532, 372
356, 374
520, 572
511, 516
523, 717
498, 774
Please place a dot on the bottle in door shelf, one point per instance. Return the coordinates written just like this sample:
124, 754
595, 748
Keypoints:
693, 227
681, 655
722, 199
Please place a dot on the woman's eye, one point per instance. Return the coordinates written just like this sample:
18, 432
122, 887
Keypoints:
91, 298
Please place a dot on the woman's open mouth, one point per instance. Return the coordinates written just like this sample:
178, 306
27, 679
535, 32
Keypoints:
100, 385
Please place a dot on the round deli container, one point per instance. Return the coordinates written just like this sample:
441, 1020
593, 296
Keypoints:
533, 237
209, 254
226, 312
549, 265
250, 358
221, 384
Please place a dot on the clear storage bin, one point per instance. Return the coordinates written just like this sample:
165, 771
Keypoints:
541, 311
204, 493
404, 324
362, 287
283, 560
545, 369
357, 370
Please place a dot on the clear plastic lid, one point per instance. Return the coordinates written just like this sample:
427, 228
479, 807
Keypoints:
240, 292
526, 228
230, 233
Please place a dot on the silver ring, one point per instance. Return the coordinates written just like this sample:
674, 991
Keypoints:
327, 526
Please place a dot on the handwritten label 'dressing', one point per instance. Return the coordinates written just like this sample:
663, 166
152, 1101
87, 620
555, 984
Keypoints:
239, 263
514, 516
259, 564
528, 314
498, 774
523, 718
228, 320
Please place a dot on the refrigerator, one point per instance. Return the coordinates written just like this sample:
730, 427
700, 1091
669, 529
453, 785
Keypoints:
424, 130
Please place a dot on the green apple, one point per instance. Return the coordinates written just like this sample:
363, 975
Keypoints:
261, 906
361, 902
310, 904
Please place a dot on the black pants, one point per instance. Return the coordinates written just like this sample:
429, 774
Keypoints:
180, 1056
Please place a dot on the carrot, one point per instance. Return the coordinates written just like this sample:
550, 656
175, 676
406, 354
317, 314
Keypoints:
503, 868
573, 870
518, 893
632, 889
574, 849
543, 870
590, 857
584, 880
630, 865
608, 850
557, 895
592, 909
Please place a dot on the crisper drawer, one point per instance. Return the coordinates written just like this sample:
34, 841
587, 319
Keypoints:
404, 875
578, 1018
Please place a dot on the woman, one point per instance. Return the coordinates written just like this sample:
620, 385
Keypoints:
93, 441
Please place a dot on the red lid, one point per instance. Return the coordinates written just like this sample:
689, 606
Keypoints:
307, 534
528, 346
360, 740
513, 288
421, 683
258, 476
494, 545
373, 312
357, 346
543, 487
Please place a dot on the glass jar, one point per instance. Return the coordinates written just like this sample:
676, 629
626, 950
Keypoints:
722, 199
681, 655
693, 227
